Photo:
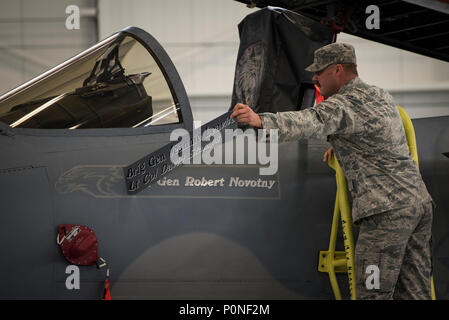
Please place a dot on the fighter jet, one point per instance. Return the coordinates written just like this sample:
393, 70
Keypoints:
201, 231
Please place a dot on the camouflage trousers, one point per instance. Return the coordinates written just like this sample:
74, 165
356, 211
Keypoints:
398, 244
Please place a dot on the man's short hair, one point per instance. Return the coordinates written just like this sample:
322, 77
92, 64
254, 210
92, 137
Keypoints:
350, 67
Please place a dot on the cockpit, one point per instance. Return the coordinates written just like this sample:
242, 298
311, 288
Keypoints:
118, 83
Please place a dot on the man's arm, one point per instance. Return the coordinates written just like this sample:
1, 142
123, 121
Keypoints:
328, 117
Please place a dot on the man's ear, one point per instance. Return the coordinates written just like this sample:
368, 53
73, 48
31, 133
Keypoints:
339, 69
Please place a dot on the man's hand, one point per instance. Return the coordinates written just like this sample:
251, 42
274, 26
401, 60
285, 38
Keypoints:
328, 154
245, 114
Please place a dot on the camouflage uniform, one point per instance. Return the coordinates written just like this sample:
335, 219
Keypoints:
390, 200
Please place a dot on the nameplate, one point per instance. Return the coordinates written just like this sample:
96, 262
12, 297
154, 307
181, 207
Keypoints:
157, 164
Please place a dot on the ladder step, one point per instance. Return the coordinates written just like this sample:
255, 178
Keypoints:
327, 261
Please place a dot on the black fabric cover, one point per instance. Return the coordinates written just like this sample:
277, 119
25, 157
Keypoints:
275, 47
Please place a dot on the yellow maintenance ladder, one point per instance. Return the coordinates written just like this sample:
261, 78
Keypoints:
332, 261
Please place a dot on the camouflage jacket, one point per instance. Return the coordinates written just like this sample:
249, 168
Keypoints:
363, 125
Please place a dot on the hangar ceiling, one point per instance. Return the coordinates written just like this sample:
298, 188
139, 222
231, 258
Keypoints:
420, 26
